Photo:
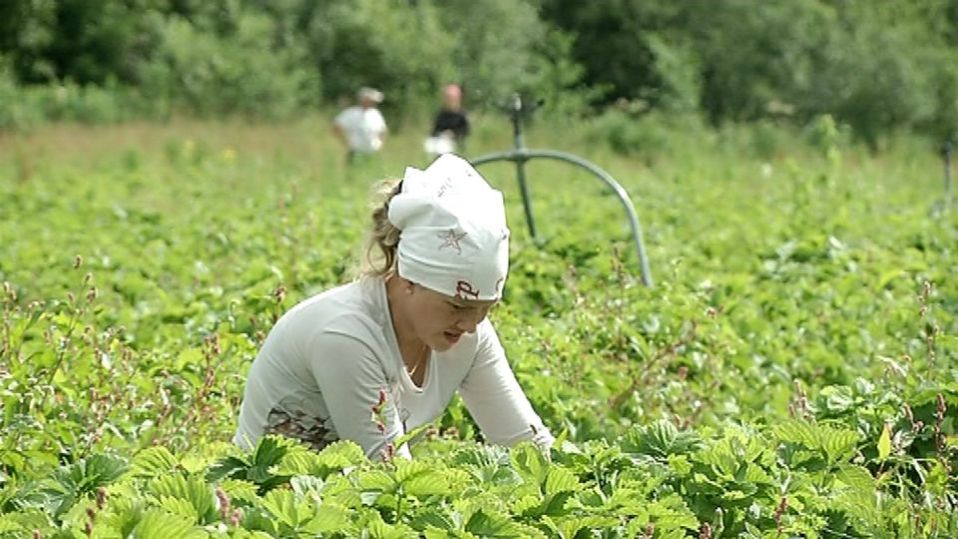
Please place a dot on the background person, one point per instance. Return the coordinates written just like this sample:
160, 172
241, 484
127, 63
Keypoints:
361, 127
451, 125
399, 342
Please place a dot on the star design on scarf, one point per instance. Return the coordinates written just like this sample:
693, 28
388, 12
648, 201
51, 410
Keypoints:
451, 238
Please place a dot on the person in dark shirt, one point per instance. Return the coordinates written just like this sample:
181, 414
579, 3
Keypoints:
451, 126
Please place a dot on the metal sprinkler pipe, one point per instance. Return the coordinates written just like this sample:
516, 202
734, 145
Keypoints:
519, 145
520, 154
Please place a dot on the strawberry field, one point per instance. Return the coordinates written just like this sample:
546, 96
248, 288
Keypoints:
793, 373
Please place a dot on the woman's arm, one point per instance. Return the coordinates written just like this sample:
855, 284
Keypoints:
494, 398
351, 378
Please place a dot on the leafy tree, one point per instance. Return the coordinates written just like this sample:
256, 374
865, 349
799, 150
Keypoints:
876, 66
496, 47
397, 46
619, 44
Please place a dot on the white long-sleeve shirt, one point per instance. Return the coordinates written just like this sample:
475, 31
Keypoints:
318, 377
364, 128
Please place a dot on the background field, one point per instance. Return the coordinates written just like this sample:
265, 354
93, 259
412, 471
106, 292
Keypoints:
793, 372
169, 186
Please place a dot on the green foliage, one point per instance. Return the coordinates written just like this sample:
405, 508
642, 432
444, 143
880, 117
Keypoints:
274, 59
23, 107
487, 40
197, 69
792, 373
74, 40
875, 67
631, 130
660, 439
731, 482
359, 43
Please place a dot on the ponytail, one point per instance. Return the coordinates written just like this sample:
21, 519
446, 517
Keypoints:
380, 252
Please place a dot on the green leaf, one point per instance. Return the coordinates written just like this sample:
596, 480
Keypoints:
305, 485
233, 467
887, 277
529, 461
660, 439
555, 504
91, 473
81, 478
485, 523
191, 489
238, 489
571, 526
378, 529
331, 518
287, 509
431, 483
412, 435
419, 478
154, 461
376, 481
855, 477
434, 517
9, 524
671, 512
270, 450
333, 458
834, 443
125, 513
179, 507
527, 504
837, 399
158, 524
559, 479
884, 443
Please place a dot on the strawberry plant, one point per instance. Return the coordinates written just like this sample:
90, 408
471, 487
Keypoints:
793, 373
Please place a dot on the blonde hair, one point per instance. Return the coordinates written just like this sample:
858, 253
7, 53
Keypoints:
383, 240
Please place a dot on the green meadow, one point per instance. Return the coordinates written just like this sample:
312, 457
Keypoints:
792, 373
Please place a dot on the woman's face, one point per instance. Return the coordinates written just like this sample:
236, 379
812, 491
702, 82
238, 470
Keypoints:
440, 320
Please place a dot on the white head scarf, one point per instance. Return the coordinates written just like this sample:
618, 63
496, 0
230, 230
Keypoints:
454, 238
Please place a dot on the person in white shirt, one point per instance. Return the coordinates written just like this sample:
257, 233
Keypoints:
372, 359
362, 127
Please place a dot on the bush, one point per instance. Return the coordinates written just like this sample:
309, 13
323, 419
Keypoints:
649, 136
402, 50
875, 67
623, 134
500, 47
25, 106
238, 72
84, 104
13, 113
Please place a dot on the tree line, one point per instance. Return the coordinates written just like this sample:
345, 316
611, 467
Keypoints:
875, 66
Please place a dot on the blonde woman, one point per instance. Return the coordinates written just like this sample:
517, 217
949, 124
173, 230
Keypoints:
369, 360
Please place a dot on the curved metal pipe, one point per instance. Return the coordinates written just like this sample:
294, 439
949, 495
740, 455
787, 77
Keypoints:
522, 155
